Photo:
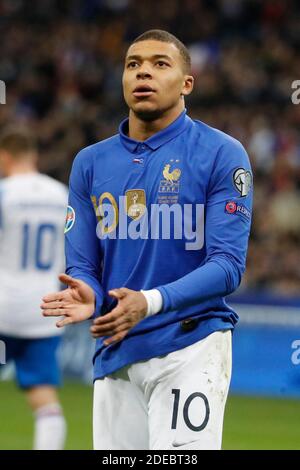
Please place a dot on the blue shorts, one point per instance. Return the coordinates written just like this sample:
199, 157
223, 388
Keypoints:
35, 360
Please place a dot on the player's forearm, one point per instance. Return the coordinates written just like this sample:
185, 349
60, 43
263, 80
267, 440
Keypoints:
215, 278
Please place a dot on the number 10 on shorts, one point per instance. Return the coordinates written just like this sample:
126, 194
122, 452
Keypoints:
186, 410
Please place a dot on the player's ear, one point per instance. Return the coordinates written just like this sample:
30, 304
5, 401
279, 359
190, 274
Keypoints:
188, 85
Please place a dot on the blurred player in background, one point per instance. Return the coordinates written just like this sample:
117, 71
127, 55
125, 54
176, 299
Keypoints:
32, 209
163, 359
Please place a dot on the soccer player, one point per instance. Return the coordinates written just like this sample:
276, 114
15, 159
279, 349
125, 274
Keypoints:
32, 216
160, 218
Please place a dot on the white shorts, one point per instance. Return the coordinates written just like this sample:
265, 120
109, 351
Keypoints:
170, 402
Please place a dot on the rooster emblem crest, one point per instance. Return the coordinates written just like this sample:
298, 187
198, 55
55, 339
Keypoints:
173, 175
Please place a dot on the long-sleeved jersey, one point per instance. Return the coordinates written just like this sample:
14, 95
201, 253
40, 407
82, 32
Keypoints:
172, 212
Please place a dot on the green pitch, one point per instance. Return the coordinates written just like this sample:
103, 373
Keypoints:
250, 423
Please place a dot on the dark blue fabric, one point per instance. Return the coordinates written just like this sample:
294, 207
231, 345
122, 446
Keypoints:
35, 360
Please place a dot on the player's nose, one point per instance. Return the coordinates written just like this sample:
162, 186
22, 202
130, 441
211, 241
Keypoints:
143, 74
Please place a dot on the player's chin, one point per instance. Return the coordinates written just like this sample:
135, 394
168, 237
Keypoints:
147, 111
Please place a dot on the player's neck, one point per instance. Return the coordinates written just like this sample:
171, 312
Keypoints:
20, 169
141, 130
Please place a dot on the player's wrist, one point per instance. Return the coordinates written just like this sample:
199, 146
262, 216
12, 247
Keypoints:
154, 301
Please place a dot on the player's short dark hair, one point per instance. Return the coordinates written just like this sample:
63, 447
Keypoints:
17, 142
165, 36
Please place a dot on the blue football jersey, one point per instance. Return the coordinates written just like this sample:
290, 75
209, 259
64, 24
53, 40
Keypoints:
173, 213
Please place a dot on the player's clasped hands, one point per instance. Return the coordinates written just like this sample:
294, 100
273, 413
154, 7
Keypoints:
77, 303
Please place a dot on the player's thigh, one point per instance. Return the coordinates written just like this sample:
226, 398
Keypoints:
186, 407
119, 414
38, 363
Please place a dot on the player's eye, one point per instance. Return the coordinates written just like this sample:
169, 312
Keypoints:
131, 64
162, 64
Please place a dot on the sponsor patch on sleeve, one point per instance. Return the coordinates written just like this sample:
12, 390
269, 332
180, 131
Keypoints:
70, 219
236, 208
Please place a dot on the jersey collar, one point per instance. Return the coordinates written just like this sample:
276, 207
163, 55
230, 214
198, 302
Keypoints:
157, 140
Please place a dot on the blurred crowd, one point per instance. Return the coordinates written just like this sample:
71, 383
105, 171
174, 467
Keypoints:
62, 63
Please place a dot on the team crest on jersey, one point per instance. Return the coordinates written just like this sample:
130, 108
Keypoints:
135, 203
70, 218
170, 183
169, 186
242, 180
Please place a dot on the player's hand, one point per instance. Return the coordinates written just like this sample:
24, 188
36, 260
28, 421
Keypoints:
77, 303
131, 309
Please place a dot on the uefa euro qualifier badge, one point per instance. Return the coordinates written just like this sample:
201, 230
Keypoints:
242, 180
70, 219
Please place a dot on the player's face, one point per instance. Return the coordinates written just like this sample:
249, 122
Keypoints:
154, 79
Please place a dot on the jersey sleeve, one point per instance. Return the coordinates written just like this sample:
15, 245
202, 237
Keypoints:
227, 227
82, 248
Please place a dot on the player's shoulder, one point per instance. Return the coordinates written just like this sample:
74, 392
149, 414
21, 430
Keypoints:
86, 156
13, 183
32, 185
51, 184
2, 183
216, 139
5, 182
49, 180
